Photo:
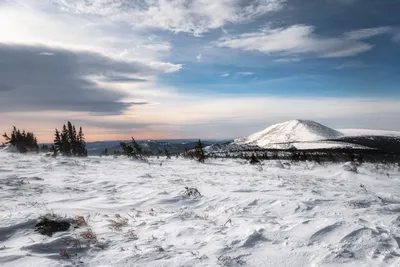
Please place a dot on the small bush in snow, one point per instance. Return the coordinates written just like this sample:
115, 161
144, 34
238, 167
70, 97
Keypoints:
48, 226
254, 160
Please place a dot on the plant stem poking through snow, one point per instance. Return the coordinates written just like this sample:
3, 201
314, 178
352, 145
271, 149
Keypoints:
228, 221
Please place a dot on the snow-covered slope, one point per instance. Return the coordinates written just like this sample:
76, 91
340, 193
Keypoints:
280, 215
289, 132
369, 132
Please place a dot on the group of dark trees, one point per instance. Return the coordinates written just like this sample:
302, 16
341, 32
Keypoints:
23, 141
69, 142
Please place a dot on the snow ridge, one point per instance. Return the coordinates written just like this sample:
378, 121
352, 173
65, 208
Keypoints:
290, 132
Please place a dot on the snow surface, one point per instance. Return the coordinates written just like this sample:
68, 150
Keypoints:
326, 144
290, 131
275, 214
369, 132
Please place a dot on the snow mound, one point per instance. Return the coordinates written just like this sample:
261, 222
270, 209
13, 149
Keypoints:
9, 148
290, 131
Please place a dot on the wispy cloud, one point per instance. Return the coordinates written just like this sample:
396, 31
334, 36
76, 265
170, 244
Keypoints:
198, 57
396, 36
225, 75
247, 73
296, 39
290, 59
368, 33
352, 65
46, 54
189, 16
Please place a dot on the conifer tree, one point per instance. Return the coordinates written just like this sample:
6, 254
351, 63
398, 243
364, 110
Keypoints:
57, 141
167, 154
253, 159
81, 143
199, 152
137, 149
72, 139
133, 149
159, 152
65, 145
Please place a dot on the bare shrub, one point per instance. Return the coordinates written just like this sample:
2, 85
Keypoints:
228, 261
89, 236
65, 254
80, 221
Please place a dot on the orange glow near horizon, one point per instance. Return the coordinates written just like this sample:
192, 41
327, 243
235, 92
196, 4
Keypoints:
97, 135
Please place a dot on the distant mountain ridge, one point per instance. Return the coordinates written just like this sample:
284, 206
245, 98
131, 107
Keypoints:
307, 134
290, 132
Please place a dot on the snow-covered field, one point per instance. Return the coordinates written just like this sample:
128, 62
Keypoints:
274, 215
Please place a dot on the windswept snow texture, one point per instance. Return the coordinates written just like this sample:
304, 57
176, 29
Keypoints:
269, 215
289, 132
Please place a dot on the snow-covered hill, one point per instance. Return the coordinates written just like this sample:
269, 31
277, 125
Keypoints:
290, 132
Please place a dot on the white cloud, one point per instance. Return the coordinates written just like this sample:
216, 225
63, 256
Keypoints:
367, 33
290, 59
191, 16
166, 67
154, 46
31, 22
296, 39
352, 65
396, 36
225, 75
247, 73
198, 57
46, 54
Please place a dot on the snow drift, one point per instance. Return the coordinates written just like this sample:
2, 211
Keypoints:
247, 216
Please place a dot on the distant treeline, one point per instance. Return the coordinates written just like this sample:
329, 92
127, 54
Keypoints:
388, 144
335, 155
71, 142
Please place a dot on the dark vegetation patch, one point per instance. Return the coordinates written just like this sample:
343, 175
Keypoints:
49, 226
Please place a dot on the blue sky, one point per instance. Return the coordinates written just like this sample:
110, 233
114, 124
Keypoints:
198, 68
